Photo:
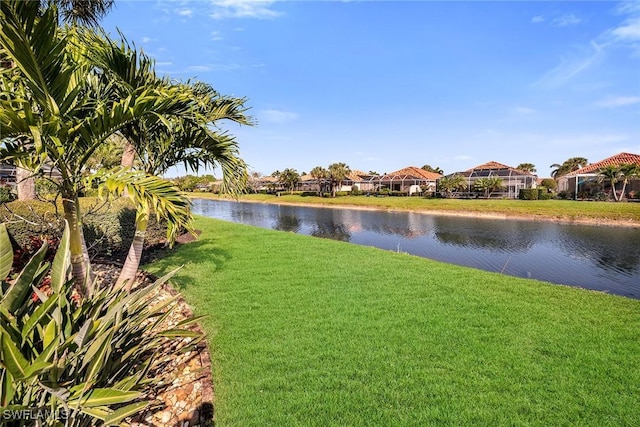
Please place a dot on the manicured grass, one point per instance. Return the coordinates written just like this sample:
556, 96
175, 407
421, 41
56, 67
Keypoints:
556, 209
312, 332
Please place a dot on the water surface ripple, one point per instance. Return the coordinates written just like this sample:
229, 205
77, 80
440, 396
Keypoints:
592, 257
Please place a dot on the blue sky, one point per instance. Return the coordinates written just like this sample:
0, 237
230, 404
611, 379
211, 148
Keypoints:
385, 85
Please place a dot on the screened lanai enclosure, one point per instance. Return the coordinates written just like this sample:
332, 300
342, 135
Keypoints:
512, 180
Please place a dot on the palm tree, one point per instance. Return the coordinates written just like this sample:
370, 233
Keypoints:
449, 184
337, 173
60, 110
320, 174
612, 174
622, 173
253, 181
151, 195
567, 166
488, 185
290, 178
628, 172
185, 138
527, 167
84, 12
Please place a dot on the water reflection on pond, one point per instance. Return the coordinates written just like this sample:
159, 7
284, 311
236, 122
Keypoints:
592, 257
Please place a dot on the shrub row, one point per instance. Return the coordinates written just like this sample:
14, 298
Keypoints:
108, 228
534, 194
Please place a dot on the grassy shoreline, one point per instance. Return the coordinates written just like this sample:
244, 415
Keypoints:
307, 331
566, 211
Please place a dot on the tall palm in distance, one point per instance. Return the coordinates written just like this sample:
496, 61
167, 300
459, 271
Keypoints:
337, 173
320, 174
527, 167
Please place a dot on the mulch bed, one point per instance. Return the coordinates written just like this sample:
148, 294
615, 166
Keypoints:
185, 398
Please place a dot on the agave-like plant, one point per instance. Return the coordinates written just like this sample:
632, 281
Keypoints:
85, 359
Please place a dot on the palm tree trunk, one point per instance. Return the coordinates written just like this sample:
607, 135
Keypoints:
80, 266
624, 188
128, 157
132, 263
613, 189
26, 184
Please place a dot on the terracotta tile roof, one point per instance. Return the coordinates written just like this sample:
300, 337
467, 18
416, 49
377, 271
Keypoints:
413, 172
617, 160
356, 175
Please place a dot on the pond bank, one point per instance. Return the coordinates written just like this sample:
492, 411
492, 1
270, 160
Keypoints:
558, 218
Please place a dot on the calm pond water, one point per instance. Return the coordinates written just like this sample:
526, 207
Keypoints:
592, 257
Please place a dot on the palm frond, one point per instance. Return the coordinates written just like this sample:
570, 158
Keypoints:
151, 195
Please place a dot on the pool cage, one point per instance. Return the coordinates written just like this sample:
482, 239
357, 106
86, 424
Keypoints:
513, 180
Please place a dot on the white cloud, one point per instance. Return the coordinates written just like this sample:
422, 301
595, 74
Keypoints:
185, 12
243, 9
625, 34
566, 20
146, 40
277, 116
587, 140
199, 68
618, 101
524, 110
537, 19
215, 36
629, 31
569, 68
463, 157
214, 67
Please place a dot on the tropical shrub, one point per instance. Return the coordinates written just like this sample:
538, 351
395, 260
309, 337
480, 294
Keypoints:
27, 219
108, 228
528, 194
87, 360
6, 195
544, 194
550, 183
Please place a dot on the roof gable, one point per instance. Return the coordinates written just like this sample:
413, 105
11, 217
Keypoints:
413, 172
617, 160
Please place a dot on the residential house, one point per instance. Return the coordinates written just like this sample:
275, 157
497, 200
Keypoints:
513, 179
585, 182
410, 180
360, 180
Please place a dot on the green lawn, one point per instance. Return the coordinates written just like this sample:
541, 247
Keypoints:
312, 332
556, 209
